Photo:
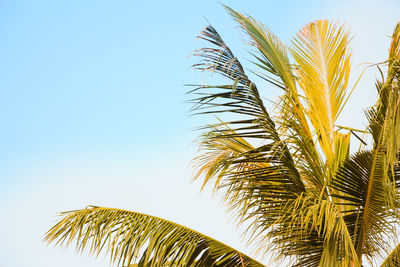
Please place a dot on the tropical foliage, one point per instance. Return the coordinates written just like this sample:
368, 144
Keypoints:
288, 176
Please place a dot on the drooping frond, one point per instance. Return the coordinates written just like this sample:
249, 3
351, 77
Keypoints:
216, 161
131, 237
322, 53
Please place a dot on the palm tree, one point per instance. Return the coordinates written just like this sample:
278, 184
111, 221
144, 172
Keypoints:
289, 178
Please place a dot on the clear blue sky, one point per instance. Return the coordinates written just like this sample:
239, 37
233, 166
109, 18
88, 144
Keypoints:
92, 107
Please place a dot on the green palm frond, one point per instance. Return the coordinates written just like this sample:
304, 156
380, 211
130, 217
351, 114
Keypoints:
384, 117
131, 237
240, 97
363, 191
384, 125
272, 56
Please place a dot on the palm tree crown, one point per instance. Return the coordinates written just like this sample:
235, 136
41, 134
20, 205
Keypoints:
289, 177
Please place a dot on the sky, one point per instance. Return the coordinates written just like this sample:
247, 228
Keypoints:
93, 108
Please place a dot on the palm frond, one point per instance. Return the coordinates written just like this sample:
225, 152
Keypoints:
244, 97
382, 188
323, 57
131, 237
393, 259
362, 196
394, 50
384, 117
241, 97
215, 161
314, 233
292, 122
272, 56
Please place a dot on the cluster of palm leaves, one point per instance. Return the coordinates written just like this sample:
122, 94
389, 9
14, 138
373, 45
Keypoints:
288, 177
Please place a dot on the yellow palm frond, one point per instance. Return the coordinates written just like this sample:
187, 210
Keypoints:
323, 56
